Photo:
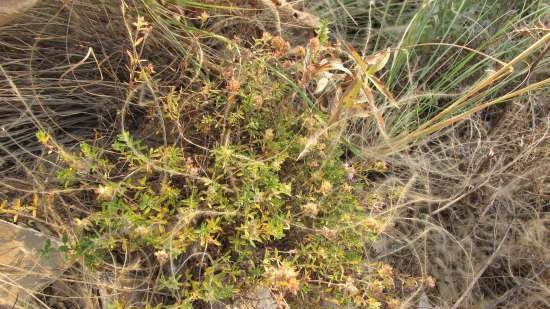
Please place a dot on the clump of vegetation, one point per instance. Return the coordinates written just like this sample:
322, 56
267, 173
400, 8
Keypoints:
244, 212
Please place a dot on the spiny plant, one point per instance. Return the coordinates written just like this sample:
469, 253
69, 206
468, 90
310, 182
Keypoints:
249, 214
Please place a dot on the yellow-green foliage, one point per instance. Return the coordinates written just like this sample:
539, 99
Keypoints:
242, 214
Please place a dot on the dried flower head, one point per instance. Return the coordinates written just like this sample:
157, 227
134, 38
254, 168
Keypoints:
371, 224
380, 166
258, 101
141, 25
347, 188
280, 45
314, 44
394, 303
266, 37
105, 192
283, 279
350, 171
191, 168
328, 233
385, 271
430, 282
142, 231
233, 86
313, 164
162, 256
310, 209
376, 287
298, 51
204, 16
350, 287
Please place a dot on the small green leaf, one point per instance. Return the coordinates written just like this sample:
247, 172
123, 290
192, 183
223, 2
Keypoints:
42, 137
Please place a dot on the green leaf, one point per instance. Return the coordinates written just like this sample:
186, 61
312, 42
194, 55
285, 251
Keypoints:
42, 137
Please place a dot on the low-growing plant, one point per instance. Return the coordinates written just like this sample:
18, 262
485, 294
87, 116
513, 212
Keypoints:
247, 211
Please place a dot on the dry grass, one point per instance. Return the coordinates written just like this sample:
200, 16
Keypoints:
59, 73
476, 214
470, 171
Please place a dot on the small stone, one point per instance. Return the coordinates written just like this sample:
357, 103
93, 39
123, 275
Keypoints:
25, 268
259, 298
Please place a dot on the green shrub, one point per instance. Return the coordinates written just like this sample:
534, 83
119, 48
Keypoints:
243, 213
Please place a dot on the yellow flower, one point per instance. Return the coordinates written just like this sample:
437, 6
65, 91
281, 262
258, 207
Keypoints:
326, 187
204, 16
269, 134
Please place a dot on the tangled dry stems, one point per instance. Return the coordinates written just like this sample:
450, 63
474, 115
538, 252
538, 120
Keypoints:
471, 210
476, 214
